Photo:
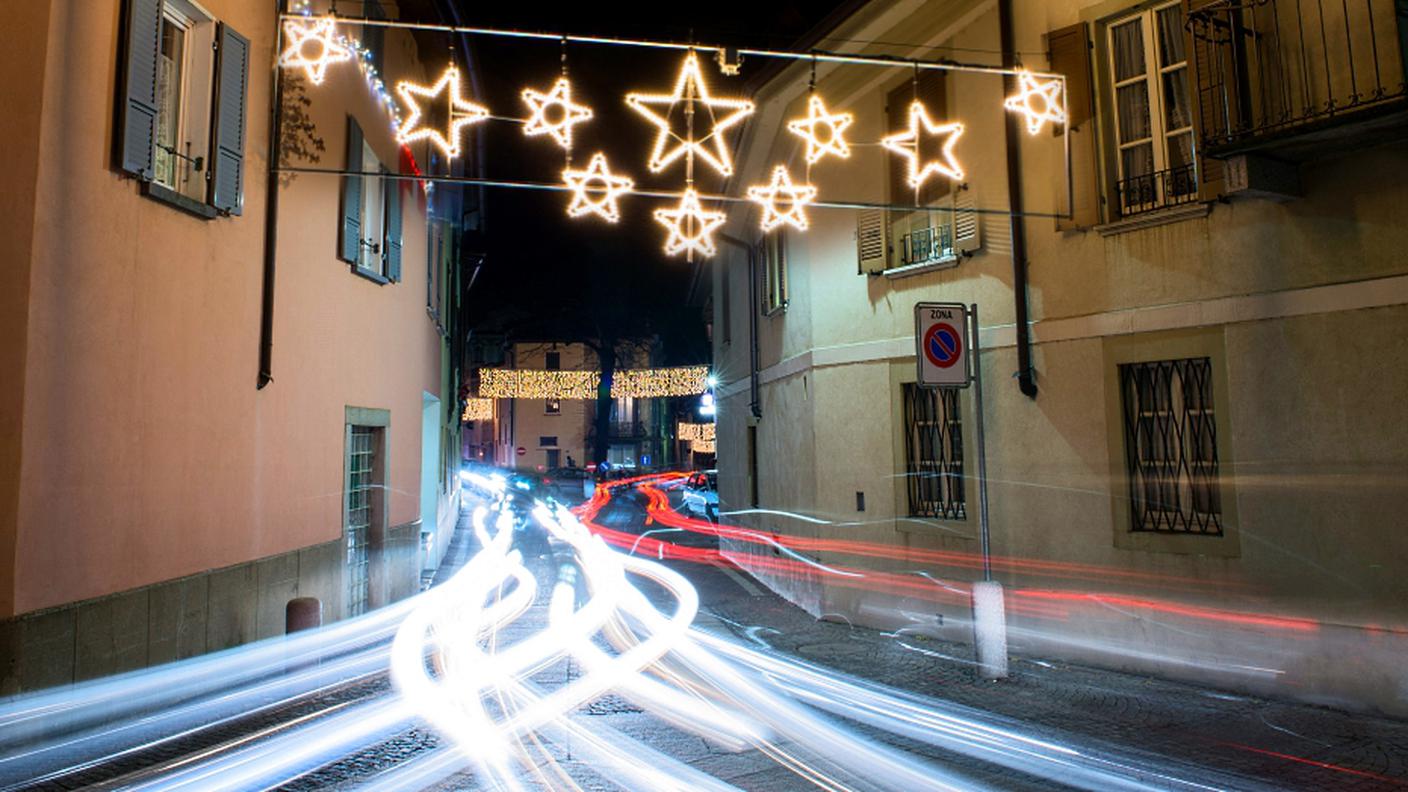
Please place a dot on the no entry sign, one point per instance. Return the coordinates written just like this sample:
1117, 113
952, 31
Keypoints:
941, 338
522, 450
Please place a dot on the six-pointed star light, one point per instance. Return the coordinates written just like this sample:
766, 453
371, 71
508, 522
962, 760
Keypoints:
906, 144
691, 227
1048, 107
557, 103
596, 179
462, 112
782, 200
829, 138
690, 88
312, 47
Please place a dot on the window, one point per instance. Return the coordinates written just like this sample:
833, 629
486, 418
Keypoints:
933, 444
547, 441
552, 406
373, 213
553, 361
774, 259
364, 498
182, 100
1170, 441
1153, 115
370, 237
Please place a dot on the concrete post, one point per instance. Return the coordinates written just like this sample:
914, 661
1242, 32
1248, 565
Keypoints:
303, 613
990, 629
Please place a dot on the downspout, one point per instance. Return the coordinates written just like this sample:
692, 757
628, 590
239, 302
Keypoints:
755, 404
271, 219
1026, 376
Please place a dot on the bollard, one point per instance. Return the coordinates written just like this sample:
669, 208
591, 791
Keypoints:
303, 613
990, 629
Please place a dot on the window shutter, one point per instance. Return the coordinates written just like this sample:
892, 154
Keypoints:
138, 92
967, 223
227, 148
870, 241
1069, 50
393, 228
351, 236
1204, 71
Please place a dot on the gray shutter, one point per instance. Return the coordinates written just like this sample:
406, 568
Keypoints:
967, 222
393, 228
227, 144
871, 246
138, 91
350, 240
1069, 51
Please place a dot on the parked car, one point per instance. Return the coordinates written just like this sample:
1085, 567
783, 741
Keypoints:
701, 495
566, 483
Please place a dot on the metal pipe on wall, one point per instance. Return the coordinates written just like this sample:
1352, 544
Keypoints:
1026, 376
271, 214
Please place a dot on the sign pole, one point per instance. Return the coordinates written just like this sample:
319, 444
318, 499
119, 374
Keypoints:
989, 607
977, 374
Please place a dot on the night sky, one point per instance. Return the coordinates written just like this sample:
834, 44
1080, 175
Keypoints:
543, 266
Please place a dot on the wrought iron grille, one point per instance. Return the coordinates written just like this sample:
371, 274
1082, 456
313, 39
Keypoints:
361, 489
1269, 66
1157, 190
926, 244
1170, 441
933, 442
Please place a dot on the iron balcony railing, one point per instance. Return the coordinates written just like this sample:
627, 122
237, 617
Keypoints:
1157, 190
1268, 68
926, 244
626, 430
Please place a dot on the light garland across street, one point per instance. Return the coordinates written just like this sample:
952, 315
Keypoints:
480, 409
626, 383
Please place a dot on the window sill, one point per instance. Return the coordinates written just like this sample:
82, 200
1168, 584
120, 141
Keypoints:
947, 262
374, 277
774, 311
1155, 218
170, 197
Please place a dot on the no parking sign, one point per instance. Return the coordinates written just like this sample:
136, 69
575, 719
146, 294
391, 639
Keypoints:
941, 340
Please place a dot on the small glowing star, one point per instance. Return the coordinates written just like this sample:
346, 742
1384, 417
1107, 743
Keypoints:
313, 47
596, 179
691, 89
783, 201
462, 112
824, 131
554, 112
906, 144
691, 227
1038, 101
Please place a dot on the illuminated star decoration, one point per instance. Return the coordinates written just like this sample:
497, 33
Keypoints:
462, 113
313, 47
1048, 105
691, 227
596, 179
554, 112
906, 144
783, 201
824, 131
690, 88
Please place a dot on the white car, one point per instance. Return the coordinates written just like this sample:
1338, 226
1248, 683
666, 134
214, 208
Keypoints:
701, 495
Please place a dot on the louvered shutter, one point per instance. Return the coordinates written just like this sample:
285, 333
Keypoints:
393, 228
227, 144
138, 93
350, 240
967, 222
1209, 114
1069, 50
871, 246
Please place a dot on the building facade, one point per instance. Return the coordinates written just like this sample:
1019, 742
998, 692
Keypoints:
270, 351
1193, 347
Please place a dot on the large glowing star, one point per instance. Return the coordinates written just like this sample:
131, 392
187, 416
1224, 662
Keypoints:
823, 130
783, 201
312, 47
595, 190
1038, 101
907, 145
554, 113
461, 112
691, 227
721, 114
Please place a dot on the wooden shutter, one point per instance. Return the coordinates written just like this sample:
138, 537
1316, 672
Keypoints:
1069, 50
871, 245
393, 228
137, 93
350, 240
967, 222
227, 143
1205, 73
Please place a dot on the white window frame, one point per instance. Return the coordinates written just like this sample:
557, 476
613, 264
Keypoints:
194, 98
371, 254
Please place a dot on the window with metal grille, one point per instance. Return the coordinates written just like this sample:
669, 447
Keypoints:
1170, 441
363, 491
933, 444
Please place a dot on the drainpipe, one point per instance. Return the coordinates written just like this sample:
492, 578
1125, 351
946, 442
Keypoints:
1026, 376
271, 221
755, 404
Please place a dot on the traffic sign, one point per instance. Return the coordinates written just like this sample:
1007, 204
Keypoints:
522, 450
941, 338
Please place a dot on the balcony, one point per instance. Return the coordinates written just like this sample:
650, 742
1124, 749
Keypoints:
1298, 79
926, 245
627, 430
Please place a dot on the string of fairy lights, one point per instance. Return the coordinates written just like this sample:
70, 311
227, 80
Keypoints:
653, 383
691, 126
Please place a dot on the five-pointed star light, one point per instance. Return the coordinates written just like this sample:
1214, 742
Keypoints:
313, 46
1038, 101
554, 112
691, 227
462, 112
906, 144
823, 130
595, 190
691, 89
782, 200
